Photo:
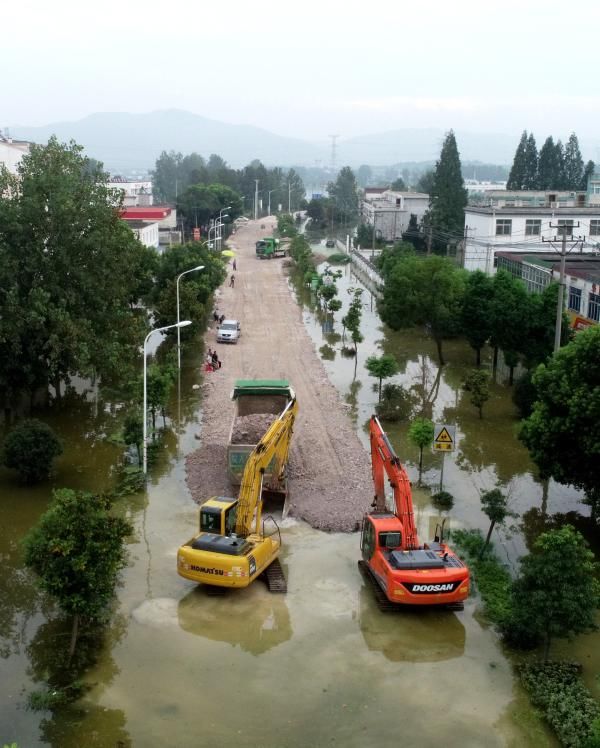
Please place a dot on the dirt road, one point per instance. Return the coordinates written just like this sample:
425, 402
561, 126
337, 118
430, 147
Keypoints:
329, 473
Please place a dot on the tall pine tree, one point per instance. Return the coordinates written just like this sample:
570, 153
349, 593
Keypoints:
530, 181
516, 178
548, 166
559, 177
590, 167
448, 198
573, 164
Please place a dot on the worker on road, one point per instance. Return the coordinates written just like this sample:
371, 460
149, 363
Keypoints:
232, 281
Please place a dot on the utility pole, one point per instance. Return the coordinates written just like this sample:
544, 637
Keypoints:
256, 200
290, 198
563, 229
429, 237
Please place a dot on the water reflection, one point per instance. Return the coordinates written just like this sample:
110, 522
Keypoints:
254, 619
409, 635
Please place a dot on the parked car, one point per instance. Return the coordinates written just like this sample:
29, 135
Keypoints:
330, 243
229, 331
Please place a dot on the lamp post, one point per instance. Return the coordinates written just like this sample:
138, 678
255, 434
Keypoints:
256, 200
185, 323
221, 216
179, 277
290, 198
214, 228
270, 200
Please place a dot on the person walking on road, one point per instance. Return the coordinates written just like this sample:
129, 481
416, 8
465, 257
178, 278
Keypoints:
234, 265
232, 281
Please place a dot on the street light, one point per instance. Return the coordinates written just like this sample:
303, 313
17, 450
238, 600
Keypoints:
270, 200
220, 219
185, 323
214, 228
179, 277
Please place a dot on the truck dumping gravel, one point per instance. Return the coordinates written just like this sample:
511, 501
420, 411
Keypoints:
329, 470
251, 428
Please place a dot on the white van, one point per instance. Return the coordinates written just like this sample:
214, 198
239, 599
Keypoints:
229, 331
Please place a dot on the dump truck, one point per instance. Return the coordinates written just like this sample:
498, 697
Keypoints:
257, 404
268, 247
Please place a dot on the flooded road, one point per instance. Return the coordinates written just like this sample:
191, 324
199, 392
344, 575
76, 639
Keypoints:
317, 667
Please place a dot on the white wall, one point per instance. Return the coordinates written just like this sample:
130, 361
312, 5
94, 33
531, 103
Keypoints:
11, 154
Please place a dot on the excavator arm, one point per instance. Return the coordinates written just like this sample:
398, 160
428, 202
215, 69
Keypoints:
273, 447
384, 461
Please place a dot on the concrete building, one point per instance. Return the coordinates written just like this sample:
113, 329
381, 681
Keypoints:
135, 192
389, 212
12, 151
145, 231
153, 225
509, 228
582, 280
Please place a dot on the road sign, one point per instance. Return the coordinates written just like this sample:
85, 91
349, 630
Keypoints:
444, 437
196, 235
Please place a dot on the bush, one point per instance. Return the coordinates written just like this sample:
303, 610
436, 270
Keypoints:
339, 258
443, 500
30, 449
524, 394
567, 705
396, 403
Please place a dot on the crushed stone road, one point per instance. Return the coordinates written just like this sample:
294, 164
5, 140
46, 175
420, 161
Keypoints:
329, 475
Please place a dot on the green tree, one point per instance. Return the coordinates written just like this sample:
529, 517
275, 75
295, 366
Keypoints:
531, 164
381, 367
76, 550
448, 198
344, 194
316, 210
70, 274
166, 177
294, 190
133, 432
364, 175
516, 178
351, 320
538, 341
30, 449
477, 384
475, 311
398, 185
160, 380
548, 166
509, 310
588, 172
494, 504
562, 431
557, 593
573, 164
423, 291
560, 179
425, 183
420, 433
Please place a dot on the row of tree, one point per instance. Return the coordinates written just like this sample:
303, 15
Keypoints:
555, 167
175, 173
450, 301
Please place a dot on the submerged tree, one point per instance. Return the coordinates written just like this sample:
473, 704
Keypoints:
477, 385
420, 433
381, 367
77, 550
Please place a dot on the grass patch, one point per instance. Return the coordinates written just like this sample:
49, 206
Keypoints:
488, 574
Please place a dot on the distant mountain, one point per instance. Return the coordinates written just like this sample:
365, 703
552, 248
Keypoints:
126, 142
132, 142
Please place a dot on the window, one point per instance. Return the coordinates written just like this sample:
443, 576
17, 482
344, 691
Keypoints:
390, 539
210, 520
565, 226
594, 307
574, 299
533, 227
594, 228
368, 539
503, 227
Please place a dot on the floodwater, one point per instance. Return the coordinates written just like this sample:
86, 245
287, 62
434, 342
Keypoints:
319, 666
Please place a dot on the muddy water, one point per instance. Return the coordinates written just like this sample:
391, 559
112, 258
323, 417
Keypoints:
316, 667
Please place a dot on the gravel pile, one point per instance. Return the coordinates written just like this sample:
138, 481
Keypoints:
250, 429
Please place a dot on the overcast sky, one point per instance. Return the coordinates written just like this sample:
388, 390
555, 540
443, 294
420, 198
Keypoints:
308, 69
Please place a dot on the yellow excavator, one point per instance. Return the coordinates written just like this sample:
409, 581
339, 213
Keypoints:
232, 548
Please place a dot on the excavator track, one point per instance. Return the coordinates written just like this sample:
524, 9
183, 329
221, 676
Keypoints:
274, 577
381, 599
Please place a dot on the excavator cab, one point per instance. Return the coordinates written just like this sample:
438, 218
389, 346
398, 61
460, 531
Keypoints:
218, 515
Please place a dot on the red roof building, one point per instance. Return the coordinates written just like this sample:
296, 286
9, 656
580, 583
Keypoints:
145, 212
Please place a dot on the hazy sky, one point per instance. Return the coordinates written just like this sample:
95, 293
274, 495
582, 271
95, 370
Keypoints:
308, 69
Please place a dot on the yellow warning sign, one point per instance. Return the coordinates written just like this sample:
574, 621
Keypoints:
444, 438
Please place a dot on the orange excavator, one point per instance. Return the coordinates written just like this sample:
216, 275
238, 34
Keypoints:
400, 570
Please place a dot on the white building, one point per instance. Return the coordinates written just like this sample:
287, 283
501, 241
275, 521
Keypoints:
146, 232
12, 151
389, 212
523, 229
135, 192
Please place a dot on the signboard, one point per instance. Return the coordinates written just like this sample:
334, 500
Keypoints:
444, 437
196, 235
